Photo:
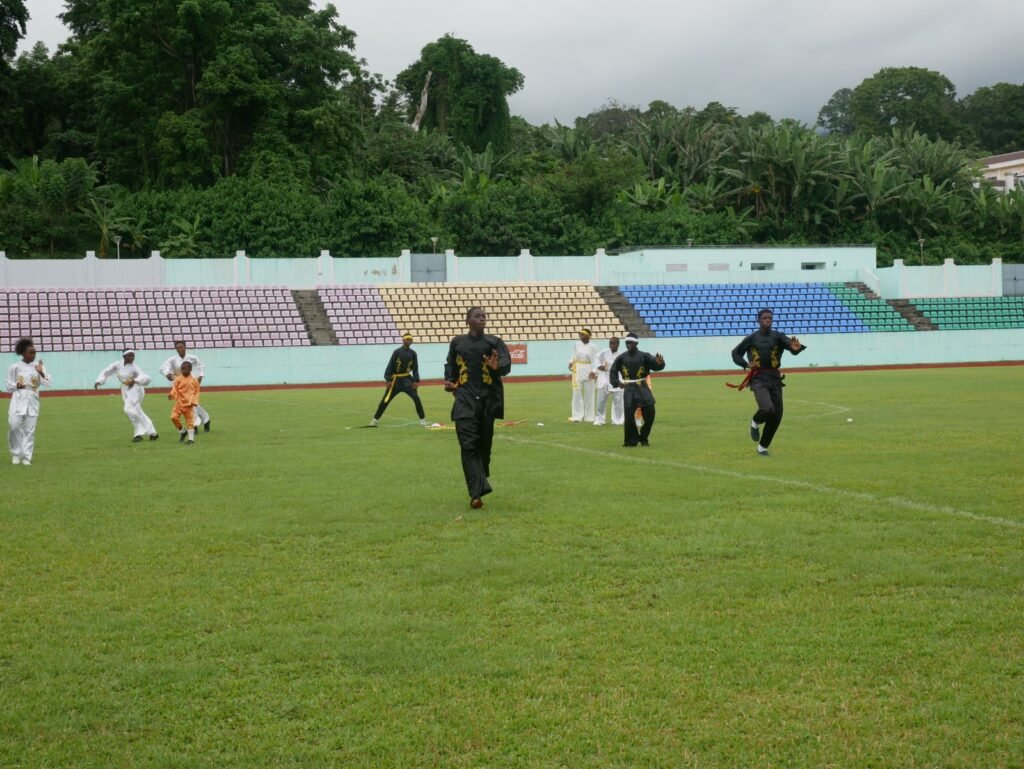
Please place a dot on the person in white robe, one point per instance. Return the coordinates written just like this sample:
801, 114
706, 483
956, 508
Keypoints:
584, 378
605, 390
24, 379
172, 367
133, 389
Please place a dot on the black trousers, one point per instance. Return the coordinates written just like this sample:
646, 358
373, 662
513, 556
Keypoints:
400, 388
476, 434
632, 400
768, 394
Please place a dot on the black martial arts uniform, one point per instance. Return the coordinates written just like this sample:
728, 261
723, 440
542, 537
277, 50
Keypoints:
762, 353
479, 400
402, 372
633, 367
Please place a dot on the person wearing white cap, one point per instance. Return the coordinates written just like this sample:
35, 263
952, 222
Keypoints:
171, 369
605, 359
630, 371
583, 366
24, 378
133, 389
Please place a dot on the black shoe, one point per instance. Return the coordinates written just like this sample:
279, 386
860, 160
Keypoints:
154, 437
189, 442
645, 443
629, 445
137, 439
206, 427
182, 437
755, 433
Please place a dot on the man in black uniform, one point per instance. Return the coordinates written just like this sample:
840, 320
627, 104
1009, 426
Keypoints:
472, 373
761, 353
630, 371
402, 376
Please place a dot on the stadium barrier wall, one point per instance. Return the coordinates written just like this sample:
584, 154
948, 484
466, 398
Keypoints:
655, 266
366, 363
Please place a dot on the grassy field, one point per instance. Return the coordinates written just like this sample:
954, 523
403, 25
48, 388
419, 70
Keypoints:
292, 593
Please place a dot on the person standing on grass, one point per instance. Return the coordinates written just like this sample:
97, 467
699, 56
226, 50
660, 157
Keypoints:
185, 394
172, 368
630, 371
761, 353
605, 359
584, 378
402, 376
133, 389
24, 379
473, 370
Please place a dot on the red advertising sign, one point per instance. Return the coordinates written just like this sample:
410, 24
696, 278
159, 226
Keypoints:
518, 353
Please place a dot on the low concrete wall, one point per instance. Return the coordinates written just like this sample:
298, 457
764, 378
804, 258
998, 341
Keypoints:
366, 363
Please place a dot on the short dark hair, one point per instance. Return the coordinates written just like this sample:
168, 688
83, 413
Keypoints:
181, 342
764, 310
470, 311
23, 344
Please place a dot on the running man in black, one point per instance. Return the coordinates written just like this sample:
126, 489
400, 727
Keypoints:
472, 373
761, 353
629, 371
402, 376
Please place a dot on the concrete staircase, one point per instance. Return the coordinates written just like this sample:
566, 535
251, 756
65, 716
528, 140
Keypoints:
903, 306
318, 325
624, 311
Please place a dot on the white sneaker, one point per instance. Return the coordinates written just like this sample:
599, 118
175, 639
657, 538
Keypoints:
373, 423
25, 462
423, 423
15, 460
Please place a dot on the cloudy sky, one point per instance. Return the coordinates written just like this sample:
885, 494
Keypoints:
785, 57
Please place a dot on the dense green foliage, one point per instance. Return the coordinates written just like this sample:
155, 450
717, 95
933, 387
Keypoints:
311, 596
201, 127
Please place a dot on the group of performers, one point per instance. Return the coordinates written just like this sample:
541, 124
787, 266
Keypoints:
183, 369
473, 372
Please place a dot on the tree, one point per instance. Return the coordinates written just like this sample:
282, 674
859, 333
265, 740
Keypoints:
906, 97
183, 90
13, 18
996, 116
835, 117
467, 95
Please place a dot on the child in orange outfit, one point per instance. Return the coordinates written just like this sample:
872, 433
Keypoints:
185, 394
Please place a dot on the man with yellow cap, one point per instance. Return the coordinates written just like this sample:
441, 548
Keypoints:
583, 366
402, 376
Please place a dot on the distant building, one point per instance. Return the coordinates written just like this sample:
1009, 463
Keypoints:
1005, 172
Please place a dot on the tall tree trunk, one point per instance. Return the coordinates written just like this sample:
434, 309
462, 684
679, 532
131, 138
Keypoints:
424, 95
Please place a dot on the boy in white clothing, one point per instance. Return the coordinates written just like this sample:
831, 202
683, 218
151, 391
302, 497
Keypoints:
24, 379
133, 389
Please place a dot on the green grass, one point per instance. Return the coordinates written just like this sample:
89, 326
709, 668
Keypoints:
290, 593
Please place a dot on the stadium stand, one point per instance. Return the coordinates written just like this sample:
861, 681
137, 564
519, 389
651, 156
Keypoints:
730, 309
358, 315
876, 314
974, 312
434, 312
151, 318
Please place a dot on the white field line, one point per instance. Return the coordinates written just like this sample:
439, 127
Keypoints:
897, 502
833, 409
